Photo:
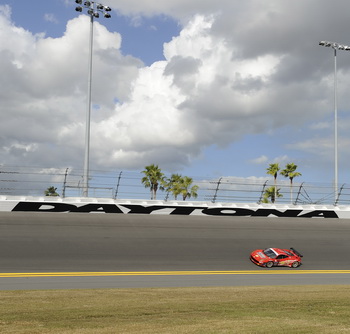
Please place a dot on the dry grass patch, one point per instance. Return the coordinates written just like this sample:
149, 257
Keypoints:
304, 309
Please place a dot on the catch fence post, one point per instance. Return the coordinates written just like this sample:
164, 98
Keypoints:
338, 195
262, 192
116, 190
216, 190
64, 183
299, 191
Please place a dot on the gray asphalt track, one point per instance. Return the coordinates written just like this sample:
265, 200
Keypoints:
48, 242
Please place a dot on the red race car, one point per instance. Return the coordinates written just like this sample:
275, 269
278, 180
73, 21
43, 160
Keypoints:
273, 257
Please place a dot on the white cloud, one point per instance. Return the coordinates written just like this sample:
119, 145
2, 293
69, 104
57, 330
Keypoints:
44, 85
49, 17
260, 160
136, 21
237, 68
186, 102
316, 146
281, 160
264, 160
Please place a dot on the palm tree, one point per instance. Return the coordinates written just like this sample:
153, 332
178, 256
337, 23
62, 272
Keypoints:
271, 193
51, 191
273, 170
186, 191
173, 185
290, 172
153, 179
179, 185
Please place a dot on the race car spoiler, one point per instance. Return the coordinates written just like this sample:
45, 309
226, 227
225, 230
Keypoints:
296, 252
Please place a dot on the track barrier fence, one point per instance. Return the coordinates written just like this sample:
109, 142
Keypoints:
120, 184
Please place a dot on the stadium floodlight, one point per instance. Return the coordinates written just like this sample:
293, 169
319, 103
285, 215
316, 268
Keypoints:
93, 10
325, 43
335, 47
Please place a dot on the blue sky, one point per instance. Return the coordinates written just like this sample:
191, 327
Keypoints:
201, 88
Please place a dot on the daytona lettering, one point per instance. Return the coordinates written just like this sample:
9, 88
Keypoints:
171, 210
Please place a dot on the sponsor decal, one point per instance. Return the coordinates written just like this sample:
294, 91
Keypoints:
170, 210
286, 262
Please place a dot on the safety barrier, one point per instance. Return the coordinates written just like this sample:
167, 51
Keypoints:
184, 208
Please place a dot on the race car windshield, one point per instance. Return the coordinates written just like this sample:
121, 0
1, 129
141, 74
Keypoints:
270, 253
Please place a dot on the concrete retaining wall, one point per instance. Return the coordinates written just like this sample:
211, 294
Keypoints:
102, 205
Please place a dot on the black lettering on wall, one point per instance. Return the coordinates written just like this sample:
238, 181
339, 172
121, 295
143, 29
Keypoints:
107, 208
227, 212
268, 212
175, 210
320, 214
38, 206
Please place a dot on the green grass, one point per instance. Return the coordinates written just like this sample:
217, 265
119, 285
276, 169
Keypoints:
304, 309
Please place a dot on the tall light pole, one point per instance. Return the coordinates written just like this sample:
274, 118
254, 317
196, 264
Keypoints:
335, 47
93, 9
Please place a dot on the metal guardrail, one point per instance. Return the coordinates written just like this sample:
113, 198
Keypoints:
24, 181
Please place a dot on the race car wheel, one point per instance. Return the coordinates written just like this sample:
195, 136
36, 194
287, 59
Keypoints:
269, 264
295, 264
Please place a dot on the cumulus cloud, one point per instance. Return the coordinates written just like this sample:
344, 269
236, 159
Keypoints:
236, 68
200, 95
44, 85
190, 100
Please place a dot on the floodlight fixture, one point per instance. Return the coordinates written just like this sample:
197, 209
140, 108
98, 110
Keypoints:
335, 46
325, 43
103, 8
94, 8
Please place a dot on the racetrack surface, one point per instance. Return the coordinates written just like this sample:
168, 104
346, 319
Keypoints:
54, 243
